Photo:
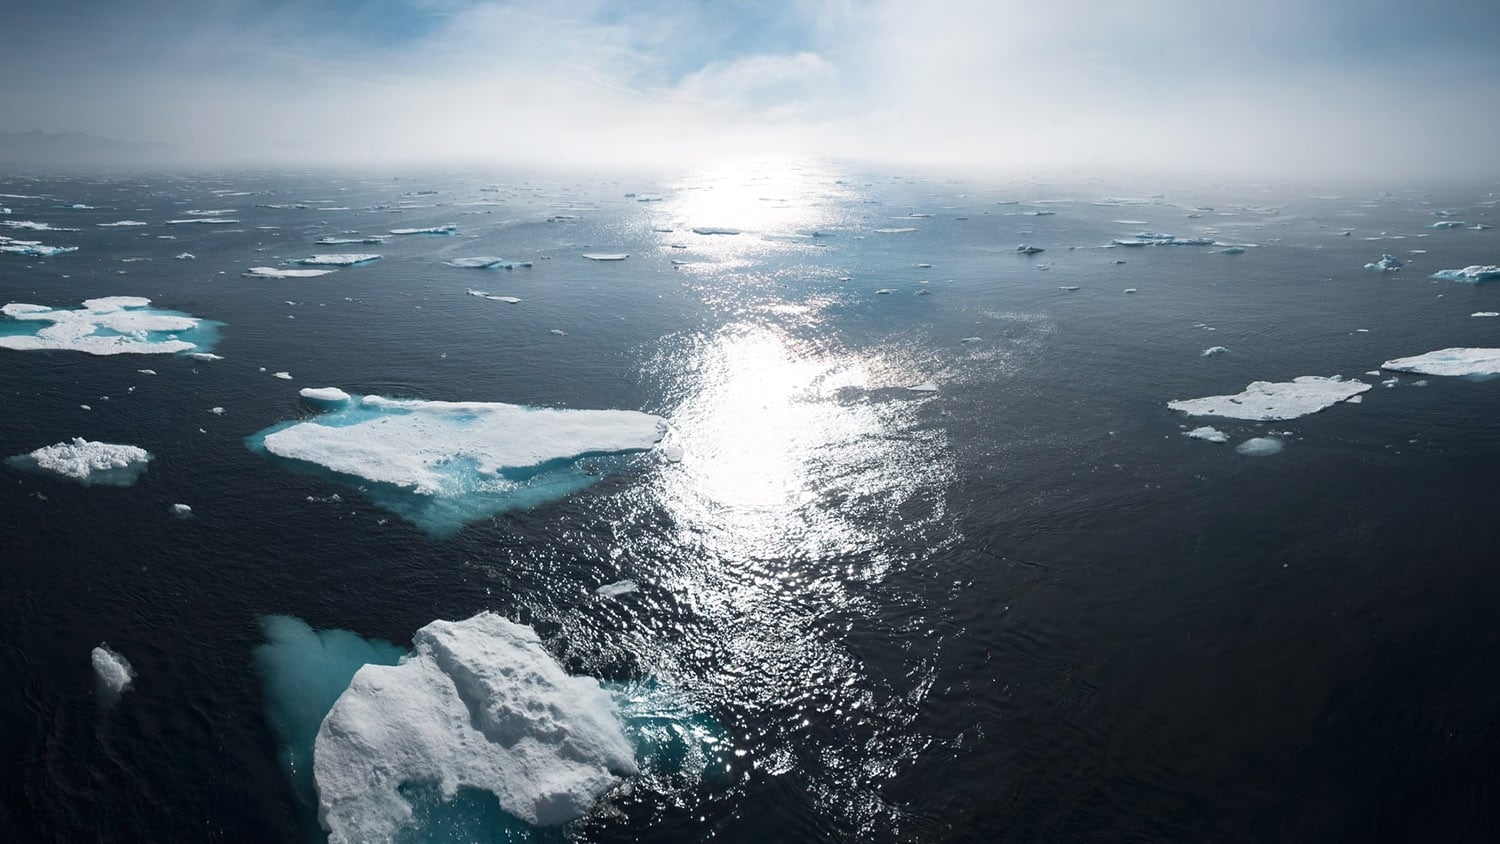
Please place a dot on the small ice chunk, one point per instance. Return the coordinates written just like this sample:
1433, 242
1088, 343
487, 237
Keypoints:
487, 262
1386, 264
616, 589
885, 291
558, 331
894, 231
606, 256
186, 256
1485, 314
442, 230
1028, 249
339, 241
1475, 274
88, 461
285, 376
713, 230
276, 272
339, 260
1453, 361
1448, 224
119, 223
204, 221
1259, 447
1214, 350
113, 670
507, 299
182, 511
924, 387
204, 356
1266, 401
1232, 250
325, 395
146, 371
217, 411
1069, 287
1213, 435
1131, 290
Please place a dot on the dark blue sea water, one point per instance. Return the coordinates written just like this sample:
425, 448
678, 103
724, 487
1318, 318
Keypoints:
1023, 607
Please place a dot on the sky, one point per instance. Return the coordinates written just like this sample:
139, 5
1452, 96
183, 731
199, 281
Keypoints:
1320, 88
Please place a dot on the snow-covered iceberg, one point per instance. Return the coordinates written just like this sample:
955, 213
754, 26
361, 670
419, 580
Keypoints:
487, 262
277, 272
340, 260
1386, 264
1266, 401
88, 461
113, 672
1473, 274
445, 464
1455, 361
111, 325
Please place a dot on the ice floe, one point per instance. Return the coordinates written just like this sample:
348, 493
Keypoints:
1028, 249
1474, 274
1265, 401
1386, 264
616, 589
337, 241
182, 511
111, 325
477, 704
1259, 447
341, 260
119, 223
277, 272
328, 395
1448, 224
113, 671
714, 230
444, 464
1454, 361
34, 226
32, 248
202, 221
1158, 239
285, 376
1213, 435
88, 461
442, 230
606, 256
486, 262
1214, 350
1485, 314
895, 231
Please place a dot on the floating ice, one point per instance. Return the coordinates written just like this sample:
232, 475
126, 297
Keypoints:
336, 241
1158, 239
1214, 350
616, 589
204, 356
1069, 287
88, 461
1027, 249
606, 256
1259, 447
1448, 224
113, 671
924, 387
477, 704
182, 511
1472, 274
108, 326
713, 230
285, 376
1232, 250
449, 229
1386, 264
487, 262
186, 256
894, 231
204, 221
1265, 401
276, 272
326, 395
33, 226
483, 295
1213, 435
1485, 314
32, 248
118, 223
445, 464
345, 260
1455, 361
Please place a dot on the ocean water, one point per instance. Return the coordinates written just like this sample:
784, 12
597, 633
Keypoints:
1020, 607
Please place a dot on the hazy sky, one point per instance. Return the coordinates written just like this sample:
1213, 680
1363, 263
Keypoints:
1276, 87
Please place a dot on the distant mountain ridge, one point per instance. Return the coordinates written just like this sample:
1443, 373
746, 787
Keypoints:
38, 147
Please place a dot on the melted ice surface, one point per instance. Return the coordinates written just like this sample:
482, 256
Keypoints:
1455, 361
477, 704
1266, 401
111, 325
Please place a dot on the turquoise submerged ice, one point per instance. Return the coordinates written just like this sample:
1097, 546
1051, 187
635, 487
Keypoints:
112, 325
444, 464
476, 734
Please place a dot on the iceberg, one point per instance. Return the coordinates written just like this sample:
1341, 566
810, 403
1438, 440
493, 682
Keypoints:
1259, 447
285, 376
111, 325
440, 230
113, 671
606, 256
1475, 274
487, 263
346, 260
1455, 361
445, 464
186, 256
477, 704
88, 461
1267, 401
275, 272
1213, 435
1386, 264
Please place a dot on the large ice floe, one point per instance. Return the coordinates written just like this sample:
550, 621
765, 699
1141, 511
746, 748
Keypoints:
278, 272
87, 461
445, 464
476, 734
1158, 239
1267, 401
487, 262
111, 325
333, 240
1473, 274
341, 260
1455, 361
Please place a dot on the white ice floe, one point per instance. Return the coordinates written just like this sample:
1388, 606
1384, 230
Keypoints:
1028, 249
1472, 274
341, 260
204, 221
182, 511
88, 461
616, 589
477, 704
606, 256
114, 671
186, 256
1158, 239
217, 411
1214, 350
326, 395
1259, 447
1485, 314
418, 445
337, 241
1213, 435
1265, 401
924, 387
895, 231
1455, 361
285, 376
277, 272
119, 223
30, 225
110, 325
1386, 264
487, 262
713, 230
1449, 224
204, 356
449, 229
32, 248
